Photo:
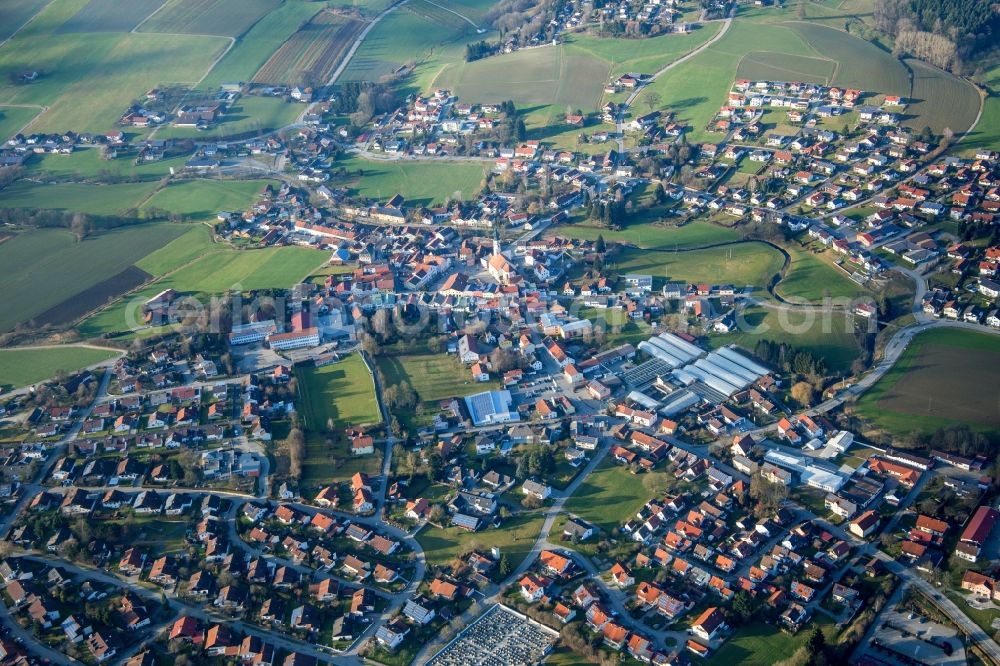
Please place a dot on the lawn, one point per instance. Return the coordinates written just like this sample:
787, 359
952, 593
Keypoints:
21, 367
612, 494
230, 18
257, 45
342, 391
204, 198
42, 269
420, 182
760, 644
649, 235
945, 377
514, 538
738, 264
89, 79
77, 197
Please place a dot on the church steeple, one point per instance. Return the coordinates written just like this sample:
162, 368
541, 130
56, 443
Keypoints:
496, 240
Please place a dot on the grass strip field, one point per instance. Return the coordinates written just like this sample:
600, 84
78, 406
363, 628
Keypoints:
87, 163
22, 367
862, 64
812, 277
612, 494
41, 269
420, 182
311, 54
110, 16
76, 197
256, 46
204, 198
829, 335
987, 131
738, 264
945, 377
92, 298
230, 18
13, 118
640, 55
514, 539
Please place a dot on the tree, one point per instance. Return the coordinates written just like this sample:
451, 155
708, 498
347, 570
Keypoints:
599, 245
743, 606
295, 445
768, 495
503, 566
802, 393
652, 100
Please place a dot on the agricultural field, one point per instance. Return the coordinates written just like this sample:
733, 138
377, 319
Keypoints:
812, 277
420, 182
945, 377
738, 264
514, 539
45, 268
861, 64
544, 82
311, 54
77, 197
611, 494
940, 100
410, 34
88, 79
256, 46
110, 16
987, 131
13, 118
229, 18
771, 66
87, 163
474, 10
650, 236
829, 334
640, 55
25, 366
203, 198
15, 13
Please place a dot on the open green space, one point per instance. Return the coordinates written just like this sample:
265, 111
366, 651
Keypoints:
230, 18
204, 198
760, 644
419, 182
641, 55
89, 79
21, 367
739, 264
612, 494
112, 199
514, 538
828, 334
257, 45
945, 377
41, 269
862, 64
195, 242
342, 392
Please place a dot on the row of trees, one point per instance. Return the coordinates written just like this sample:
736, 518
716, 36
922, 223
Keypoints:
946, 33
